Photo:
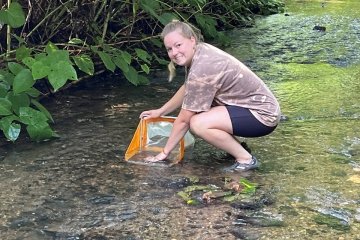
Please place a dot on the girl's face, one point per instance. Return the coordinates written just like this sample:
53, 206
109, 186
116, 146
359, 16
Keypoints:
179, 48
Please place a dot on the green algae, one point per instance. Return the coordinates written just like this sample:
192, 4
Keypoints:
331, 222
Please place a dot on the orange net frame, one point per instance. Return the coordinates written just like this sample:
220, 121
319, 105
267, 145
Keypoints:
142, 144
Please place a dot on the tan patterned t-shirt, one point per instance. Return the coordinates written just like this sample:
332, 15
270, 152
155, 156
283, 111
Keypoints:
217, 78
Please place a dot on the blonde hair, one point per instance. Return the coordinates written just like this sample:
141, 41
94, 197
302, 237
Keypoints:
185, 29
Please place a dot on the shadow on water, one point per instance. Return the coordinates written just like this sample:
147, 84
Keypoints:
79, 187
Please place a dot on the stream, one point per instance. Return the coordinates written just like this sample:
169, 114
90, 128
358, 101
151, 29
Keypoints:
79, 186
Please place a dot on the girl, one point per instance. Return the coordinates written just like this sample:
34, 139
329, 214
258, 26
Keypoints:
221, 97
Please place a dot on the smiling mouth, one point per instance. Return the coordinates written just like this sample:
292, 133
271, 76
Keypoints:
178, 58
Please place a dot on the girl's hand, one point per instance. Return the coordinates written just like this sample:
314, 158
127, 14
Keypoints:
150, 114
160, 157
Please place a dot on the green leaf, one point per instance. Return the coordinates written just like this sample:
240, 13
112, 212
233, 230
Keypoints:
121, 63
30, 116
23, 81
4, 17
249, 187
57, 56
84, 63
28, 61
126, 56
157, 42
106, 58
5, 107
50, 48
42, 109
2, 75
132, 76
208, 24
22, 52
40, 131
18, 101
145, 68
33, 92
15, 68
40, 56
196, 3
160, 60
11, 130
14, 15
40, 70
76, 41
5, 121
150, 6
7, 77
4, 88
94, 49
167, 17
61, 72
142, 80
143, 55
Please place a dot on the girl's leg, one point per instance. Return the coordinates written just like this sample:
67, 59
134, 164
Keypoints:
215, 127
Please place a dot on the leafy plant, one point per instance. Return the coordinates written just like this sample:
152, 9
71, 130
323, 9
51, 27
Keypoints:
56, 44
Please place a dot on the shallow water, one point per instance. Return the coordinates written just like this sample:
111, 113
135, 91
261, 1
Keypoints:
79, 187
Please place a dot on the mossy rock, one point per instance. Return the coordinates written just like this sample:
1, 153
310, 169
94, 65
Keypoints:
332, 222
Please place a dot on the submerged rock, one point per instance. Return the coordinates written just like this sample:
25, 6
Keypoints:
332, 222
242, 234
254, 204
102, 199
357, 215
319, 28
260, 220
179, 183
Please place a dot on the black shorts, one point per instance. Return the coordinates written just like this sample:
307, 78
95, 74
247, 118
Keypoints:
245, 124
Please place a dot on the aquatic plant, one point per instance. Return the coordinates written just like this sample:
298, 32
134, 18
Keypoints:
231, 191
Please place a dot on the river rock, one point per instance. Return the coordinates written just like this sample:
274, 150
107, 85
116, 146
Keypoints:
102, 199
319, 28
260, 219
357, 215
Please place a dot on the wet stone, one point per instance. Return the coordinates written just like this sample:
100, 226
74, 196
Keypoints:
355, 151
102, 199
128, 215
260, 220
119, 216
28, 219
159, 210
22, 222
61, 235
288, 211
179, 183
340, 214
254, 204
332, 222
242, 234
93, 223
357, 215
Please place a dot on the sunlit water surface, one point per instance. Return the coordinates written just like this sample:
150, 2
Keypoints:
79, 187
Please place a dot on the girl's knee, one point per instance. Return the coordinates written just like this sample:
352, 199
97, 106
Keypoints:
197, 124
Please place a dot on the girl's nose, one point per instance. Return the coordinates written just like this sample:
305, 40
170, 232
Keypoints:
174, 52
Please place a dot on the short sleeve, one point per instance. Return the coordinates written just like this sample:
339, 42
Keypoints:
199, 96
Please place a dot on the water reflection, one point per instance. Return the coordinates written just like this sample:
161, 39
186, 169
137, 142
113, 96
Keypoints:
78, 186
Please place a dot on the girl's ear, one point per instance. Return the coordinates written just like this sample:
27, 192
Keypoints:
193, 40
